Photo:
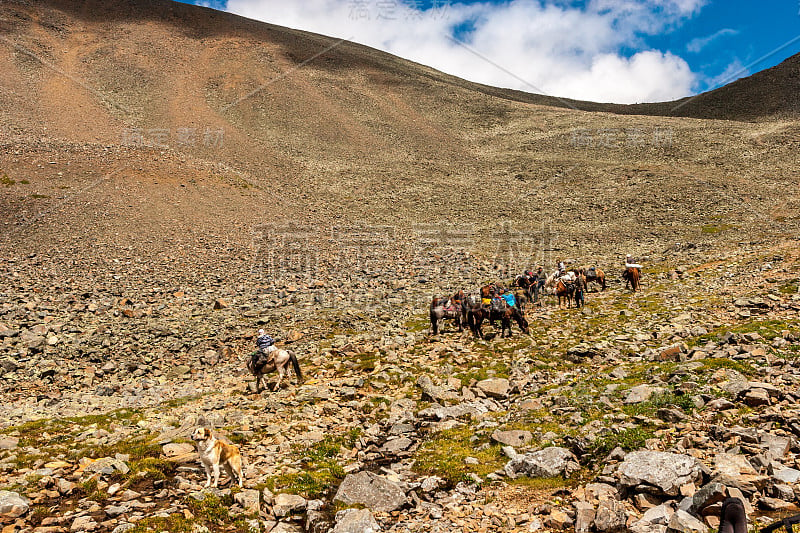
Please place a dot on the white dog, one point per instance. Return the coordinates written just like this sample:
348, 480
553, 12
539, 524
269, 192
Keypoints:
213, 453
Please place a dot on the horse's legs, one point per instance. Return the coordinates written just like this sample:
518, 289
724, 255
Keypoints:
478, 324
280, 377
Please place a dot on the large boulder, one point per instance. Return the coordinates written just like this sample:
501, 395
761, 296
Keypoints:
432, 392
372, 491
12, 505
549, 462
658, 472
610, 516
642, 393
683, 522
494, 387
513, 437
285, 504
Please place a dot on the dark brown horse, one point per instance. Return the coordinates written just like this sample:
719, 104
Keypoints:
631, 276
597, 276
527, 284
498, 310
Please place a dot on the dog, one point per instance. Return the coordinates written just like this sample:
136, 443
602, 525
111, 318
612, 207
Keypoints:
213, 453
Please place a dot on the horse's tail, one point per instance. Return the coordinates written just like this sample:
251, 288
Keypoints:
296, 367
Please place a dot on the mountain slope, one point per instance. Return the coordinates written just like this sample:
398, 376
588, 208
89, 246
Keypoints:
183, 121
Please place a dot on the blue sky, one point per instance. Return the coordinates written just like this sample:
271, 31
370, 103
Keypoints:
604, 50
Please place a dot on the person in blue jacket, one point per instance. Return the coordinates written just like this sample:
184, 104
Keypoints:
508, 296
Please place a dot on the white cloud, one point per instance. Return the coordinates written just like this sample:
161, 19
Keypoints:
733, 71
555, 47
698, 43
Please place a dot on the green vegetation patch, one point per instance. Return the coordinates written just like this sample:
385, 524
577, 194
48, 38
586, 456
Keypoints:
717, 228
788, 288
211, 511
477, 372
744, 367
659, 401
321, 469
629, 439
445, 452
769, 329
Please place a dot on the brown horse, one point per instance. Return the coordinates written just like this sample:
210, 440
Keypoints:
631, 276
527, 284
564, 291
499, 310
597, 276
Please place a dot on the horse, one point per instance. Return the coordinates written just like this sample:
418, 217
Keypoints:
499, 310
580, 289
276, 359
527, 284
564, 291
551, 281
448, 308
597, 276
490, 290
631, 276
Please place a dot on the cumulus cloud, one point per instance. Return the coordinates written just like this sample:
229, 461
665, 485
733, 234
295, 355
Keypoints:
555, 47
697, 44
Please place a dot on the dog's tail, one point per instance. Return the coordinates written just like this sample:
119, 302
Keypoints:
296, 367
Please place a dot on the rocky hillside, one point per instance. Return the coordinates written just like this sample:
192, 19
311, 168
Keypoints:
173, 179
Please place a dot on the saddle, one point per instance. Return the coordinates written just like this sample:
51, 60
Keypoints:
450, 306
262, 357
498, 305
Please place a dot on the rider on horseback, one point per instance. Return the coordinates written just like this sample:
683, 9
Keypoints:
266, 347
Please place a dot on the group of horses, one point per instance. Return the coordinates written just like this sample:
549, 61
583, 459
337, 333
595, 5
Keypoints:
569, 286
473, 310
470, 309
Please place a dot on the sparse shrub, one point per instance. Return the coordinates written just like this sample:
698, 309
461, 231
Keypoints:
629, 439
444, 453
